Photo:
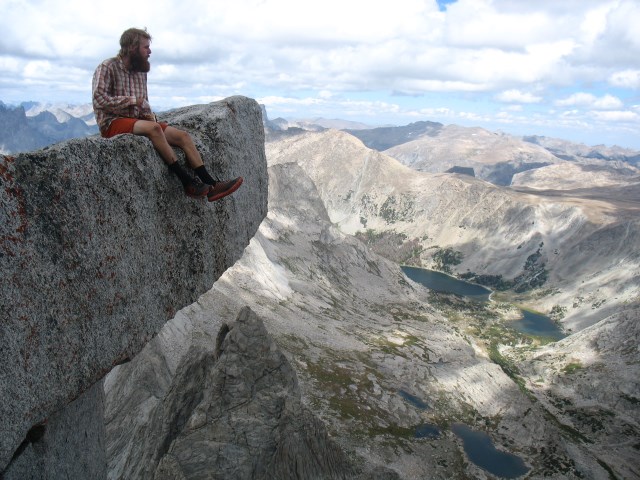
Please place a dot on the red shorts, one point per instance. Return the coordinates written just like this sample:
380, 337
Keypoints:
125, 125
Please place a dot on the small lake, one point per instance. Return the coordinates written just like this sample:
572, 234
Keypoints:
532, 323
413, 400
481, 451
538, 324
443, 283
425, 430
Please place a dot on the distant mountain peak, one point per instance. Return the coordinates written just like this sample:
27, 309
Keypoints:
33, 125
62, 111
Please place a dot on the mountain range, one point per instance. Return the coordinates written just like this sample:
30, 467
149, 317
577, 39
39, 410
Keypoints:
394, 370
31, 125
380, 360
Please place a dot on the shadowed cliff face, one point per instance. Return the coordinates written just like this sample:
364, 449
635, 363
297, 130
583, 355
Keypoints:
228, 411
99, 247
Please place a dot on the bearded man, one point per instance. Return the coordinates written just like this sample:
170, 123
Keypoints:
121, 105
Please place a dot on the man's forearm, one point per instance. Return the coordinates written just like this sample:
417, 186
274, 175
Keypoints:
119, 104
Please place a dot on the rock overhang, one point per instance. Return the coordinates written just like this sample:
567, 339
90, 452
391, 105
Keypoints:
99, 247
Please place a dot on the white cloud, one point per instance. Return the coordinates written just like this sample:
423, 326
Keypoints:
582, 99
408, 45
498, 24
476, 52
626, 79
366, 108
517, 96
617, 116
10, 65
478, 45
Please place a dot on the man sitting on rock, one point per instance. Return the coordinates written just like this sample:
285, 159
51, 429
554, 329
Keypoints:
121, 105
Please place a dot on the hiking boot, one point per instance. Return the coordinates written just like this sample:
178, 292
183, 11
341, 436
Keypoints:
221, 189
196, 189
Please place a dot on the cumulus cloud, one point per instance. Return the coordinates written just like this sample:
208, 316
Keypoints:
505, 51
581, 99
352, 45
517, 96
617, 42
626, 79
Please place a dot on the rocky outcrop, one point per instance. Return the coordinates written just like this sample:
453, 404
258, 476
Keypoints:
99, 247
232, 410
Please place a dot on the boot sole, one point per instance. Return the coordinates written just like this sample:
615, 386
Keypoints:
229, 191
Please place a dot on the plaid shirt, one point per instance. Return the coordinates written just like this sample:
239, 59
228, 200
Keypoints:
114, 93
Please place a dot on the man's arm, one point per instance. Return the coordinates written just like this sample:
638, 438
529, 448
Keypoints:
102, 93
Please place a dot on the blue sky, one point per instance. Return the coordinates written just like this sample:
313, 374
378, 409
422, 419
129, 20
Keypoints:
567, 69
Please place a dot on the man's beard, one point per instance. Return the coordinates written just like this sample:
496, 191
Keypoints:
139, 63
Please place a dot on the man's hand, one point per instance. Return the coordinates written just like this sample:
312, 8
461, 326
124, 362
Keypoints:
144, 109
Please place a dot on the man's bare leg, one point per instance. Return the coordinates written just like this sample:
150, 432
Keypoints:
181, 139
153, 131
164, 140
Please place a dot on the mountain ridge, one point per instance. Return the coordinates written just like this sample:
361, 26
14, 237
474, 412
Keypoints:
20, 132
496, 229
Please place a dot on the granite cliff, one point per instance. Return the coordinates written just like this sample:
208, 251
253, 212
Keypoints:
99, 247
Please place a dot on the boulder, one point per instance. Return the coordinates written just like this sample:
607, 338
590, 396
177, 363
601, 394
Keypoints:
99, 247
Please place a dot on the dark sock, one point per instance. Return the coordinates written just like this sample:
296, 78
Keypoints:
181, 173
203, 175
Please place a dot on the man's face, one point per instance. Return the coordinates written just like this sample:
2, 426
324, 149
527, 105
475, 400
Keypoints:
140, 56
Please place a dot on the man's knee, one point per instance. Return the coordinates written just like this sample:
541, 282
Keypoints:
147, 129
155, 129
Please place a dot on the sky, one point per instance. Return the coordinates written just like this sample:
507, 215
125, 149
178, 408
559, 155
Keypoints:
560, 68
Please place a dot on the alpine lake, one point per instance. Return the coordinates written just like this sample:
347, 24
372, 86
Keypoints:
531, 323
475, 302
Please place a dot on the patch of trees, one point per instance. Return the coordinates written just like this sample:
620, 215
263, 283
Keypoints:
445, 258
394, 246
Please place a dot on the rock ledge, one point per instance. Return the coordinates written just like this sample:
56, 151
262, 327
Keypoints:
99, 247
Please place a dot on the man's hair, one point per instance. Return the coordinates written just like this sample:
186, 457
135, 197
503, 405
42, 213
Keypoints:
131, 38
